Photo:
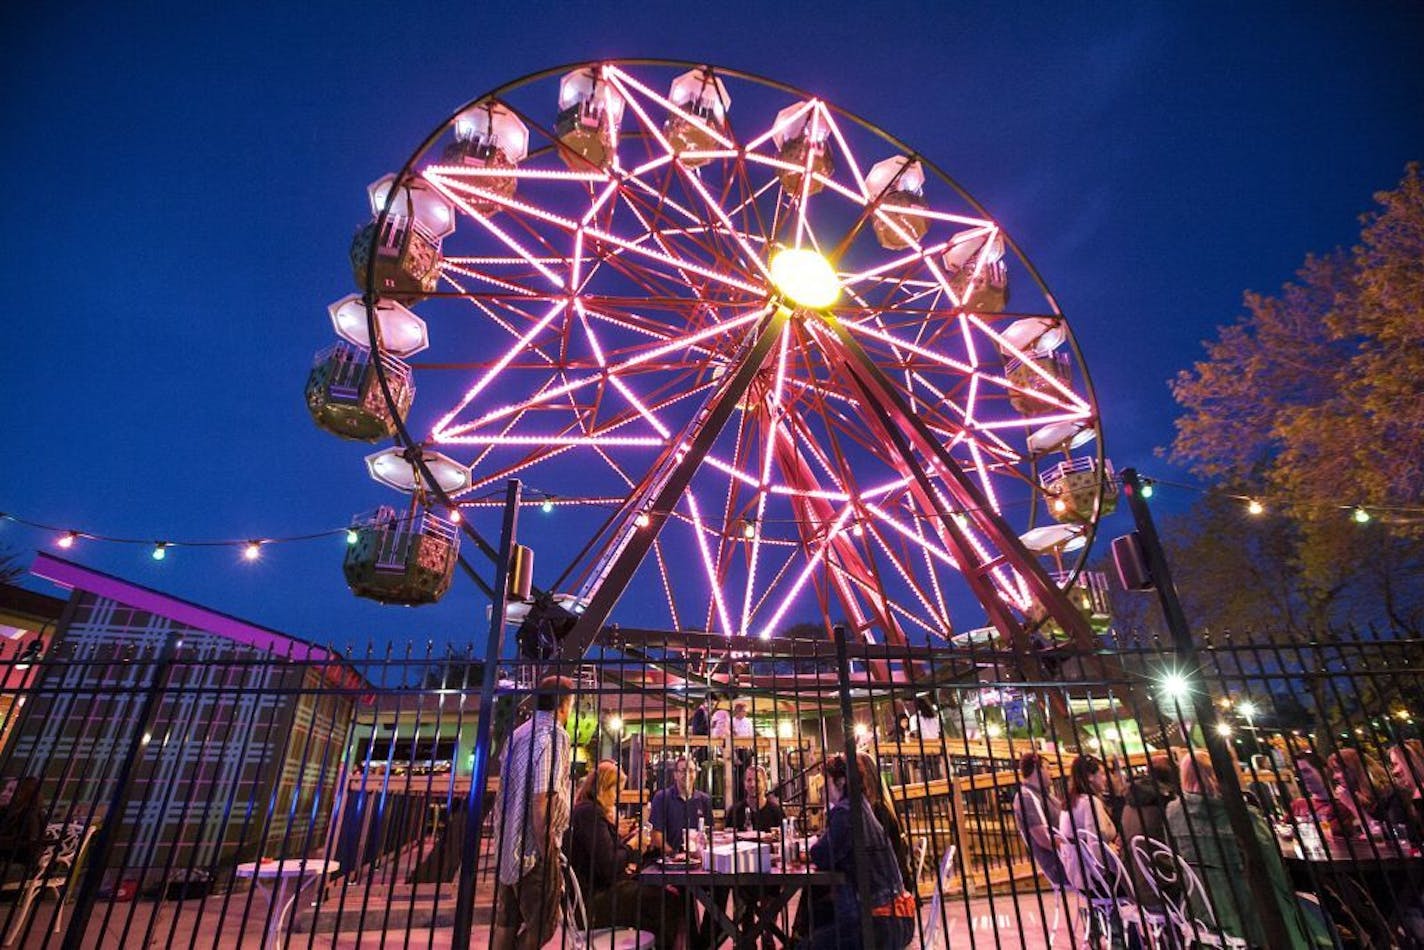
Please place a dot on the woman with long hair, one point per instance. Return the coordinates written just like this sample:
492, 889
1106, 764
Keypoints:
882, 806
892, 910
603, 863
1085, 813
1201, 832
1360, 784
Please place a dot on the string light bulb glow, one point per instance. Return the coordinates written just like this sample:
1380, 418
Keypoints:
454, 515
642, 520
67, 539
252, 551
1255, 507
160, 550
805, 277
547, 507
1224, 729
1175, 685
352, 536
1361, 516
1147, 488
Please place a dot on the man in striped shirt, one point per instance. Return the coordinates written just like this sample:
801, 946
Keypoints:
531, 818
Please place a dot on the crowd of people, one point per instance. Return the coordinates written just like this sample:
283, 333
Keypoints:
1103, 812
1178, 801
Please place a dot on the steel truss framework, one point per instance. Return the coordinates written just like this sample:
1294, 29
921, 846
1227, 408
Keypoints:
616, 331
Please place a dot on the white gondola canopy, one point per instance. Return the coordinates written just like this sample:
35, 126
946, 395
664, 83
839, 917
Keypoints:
391, 468
585, 88
699, 92
897, 174
429, 209
403, 333
492, 124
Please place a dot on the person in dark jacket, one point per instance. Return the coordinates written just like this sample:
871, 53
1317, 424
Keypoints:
604, 866
1144, 814
22, 823
892, 910
883, 808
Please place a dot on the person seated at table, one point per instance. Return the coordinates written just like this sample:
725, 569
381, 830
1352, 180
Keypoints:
892, 909
605, 865
1358, 781
1406, 771
1315, 806
1201, 833
676, 810
674, 813
1036, 813
882, 806
1086, 812
755, 811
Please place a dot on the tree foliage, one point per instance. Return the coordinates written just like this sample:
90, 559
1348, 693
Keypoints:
1315, 396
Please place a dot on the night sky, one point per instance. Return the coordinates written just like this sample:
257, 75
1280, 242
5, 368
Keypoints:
182, 186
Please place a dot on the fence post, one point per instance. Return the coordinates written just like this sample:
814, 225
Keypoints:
474, 799
88, 893
1221, 759
857, 791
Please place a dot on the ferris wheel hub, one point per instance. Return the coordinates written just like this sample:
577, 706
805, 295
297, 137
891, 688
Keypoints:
805, 277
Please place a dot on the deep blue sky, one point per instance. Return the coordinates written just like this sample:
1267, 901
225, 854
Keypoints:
182, 184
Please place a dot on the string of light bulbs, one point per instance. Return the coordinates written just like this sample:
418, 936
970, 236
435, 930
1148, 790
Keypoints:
1256, 505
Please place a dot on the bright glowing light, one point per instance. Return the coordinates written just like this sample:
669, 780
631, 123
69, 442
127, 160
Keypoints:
857, 529
1255, 507
861, 730
748, 530
351, 536
994, 730
615, 724
1094, 742
160, 550
805, 277
67, 539
1176, 685
1059, 505
1361, 516
454, 516
1246, 708
1224, 729
253, 550
547, 506
1147, 489
642, 520
785, 729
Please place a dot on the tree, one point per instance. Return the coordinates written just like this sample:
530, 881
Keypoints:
1314, 398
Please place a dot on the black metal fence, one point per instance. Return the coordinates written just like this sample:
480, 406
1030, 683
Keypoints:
163, 794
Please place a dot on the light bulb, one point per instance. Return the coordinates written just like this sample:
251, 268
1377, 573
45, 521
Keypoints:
1146, 489
351, 536
67, 539
454, 515
253, 550
1255, 507
1361, 516
642, 520
805, 277
160, 550
547, 506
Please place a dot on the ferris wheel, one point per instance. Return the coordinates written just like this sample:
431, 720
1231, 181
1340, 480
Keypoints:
767, 350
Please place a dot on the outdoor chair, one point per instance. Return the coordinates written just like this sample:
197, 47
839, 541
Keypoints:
1176, 885
929, 940
1104, 900
55, 868
581, 936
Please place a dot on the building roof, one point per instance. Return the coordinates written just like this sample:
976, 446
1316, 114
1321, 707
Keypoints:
77, 577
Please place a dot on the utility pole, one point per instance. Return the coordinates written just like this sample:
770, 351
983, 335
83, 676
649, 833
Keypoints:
1222, 761
479, 772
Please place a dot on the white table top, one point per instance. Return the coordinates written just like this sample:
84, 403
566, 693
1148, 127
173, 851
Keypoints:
290, 867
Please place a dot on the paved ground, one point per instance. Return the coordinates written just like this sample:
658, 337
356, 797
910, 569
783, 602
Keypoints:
975, 923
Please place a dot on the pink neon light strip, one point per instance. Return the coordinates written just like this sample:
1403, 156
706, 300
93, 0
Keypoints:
503, 361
